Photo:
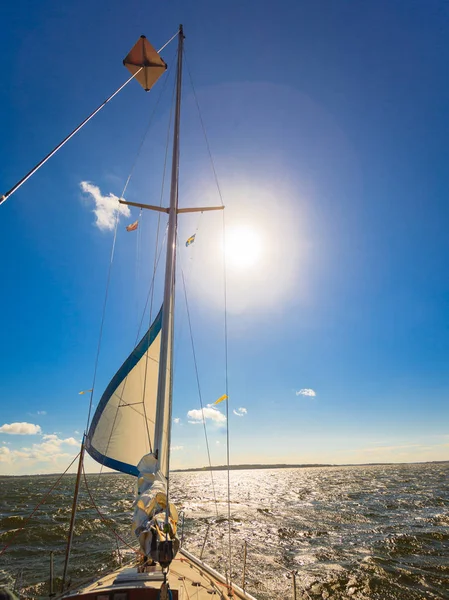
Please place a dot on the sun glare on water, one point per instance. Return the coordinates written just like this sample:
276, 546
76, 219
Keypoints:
243, 247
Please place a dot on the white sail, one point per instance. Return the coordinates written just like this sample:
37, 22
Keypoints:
123, 426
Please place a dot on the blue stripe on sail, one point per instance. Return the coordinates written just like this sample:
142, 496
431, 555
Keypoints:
121, 374
112, 463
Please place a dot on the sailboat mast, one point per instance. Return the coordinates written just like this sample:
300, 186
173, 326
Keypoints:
165, 362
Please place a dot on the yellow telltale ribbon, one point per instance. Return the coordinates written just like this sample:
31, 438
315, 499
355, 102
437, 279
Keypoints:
224, 397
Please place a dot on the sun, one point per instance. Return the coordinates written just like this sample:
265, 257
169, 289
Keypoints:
243, 247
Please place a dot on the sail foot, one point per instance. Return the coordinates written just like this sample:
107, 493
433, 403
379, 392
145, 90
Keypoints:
156, 533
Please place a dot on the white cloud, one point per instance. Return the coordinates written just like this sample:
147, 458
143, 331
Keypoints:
217, 442
71, 442
49, 450
174, 448
41, 412
106, 207
4, 454
240, 412
306, 392
20, 428
76, 432
176, 420
209, 412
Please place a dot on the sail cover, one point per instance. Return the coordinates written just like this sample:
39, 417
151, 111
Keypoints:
123, 426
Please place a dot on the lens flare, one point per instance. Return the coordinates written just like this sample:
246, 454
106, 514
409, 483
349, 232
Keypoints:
243, 247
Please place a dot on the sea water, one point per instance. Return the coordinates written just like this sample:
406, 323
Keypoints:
361, 532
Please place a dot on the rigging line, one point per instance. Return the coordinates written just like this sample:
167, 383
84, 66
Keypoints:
192, 250
37, 506
112, 258
64, 141
142, 142
138, 265
138, 261
170, 411
199, 387
74, 132
112, 255
150, 289
204, 131
119, 405
100, 335
225, 301
225, 313
155, 263
164, 172
103, 518
151, 306
150, 122
167, 43
165, 393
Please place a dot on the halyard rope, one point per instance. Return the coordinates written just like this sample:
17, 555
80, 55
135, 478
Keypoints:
225, 317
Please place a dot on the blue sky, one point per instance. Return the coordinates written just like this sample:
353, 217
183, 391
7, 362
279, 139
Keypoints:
327, 122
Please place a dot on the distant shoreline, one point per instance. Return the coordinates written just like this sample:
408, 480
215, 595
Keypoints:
250, 467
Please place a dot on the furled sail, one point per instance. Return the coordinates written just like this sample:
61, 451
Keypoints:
123, 426
151, 525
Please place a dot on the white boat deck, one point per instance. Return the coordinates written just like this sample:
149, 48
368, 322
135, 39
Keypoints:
188, 577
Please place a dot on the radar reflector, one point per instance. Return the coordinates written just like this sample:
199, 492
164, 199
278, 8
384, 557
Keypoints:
145, 58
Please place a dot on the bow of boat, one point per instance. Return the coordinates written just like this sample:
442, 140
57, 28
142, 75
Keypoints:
188, 578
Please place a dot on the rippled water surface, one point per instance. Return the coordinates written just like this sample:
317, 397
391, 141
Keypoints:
370, 532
